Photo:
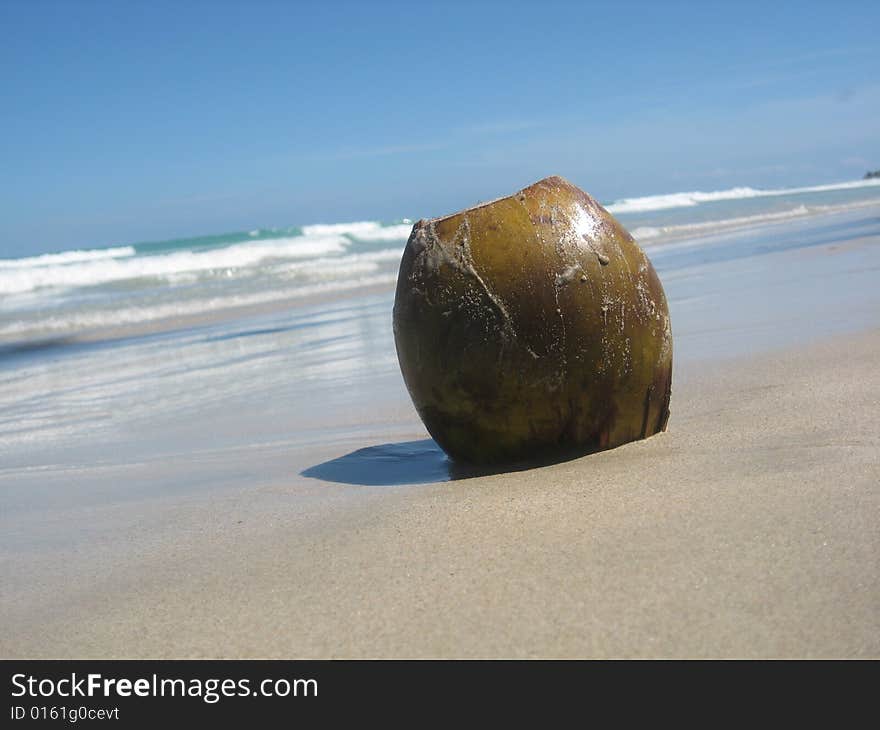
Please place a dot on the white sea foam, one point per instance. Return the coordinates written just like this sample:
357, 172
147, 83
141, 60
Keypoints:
93, 319
399, 232
361, 230
179, 263
341, 229
336, 267
340, 266
648, 232
690, 199
645, 234
68, 257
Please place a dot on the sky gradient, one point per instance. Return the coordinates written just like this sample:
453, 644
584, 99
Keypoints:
125, 122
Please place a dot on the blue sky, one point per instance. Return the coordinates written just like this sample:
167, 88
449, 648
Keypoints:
125, 121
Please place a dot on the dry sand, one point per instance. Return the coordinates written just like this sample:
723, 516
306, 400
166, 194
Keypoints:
749, 529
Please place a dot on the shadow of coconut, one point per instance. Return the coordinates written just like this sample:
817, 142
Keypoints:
386, 465
410, 462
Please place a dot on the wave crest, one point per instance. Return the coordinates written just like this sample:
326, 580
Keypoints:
104, 270
68, 257
690, 199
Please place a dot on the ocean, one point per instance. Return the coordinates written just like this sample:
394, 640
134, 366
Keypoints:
271, 342
86, 292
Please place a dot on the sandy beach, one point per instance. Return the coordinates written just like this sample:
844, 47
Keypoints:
312, 517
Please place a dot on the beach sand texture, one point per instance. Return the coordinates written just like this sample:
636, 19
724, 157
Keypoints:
748, 529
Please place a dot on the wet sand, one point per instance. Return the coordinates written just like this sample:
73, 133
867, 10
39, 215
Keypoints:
749, 529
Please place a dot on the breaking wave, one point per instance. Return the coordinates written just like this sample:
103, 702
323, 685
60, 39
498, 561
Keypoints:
688, 200
68, 257
684, 230
93, 319
321, 245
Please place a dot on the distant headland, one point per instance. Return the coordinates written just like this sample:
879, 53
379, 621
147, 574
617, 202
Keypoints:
871, 174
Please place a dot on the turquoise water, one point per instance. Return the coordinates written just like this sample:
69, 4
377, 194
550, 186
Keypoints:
88, 291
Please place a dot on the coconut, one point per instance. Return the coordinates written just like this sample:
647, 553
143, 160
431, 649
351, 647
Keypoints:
532, 326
